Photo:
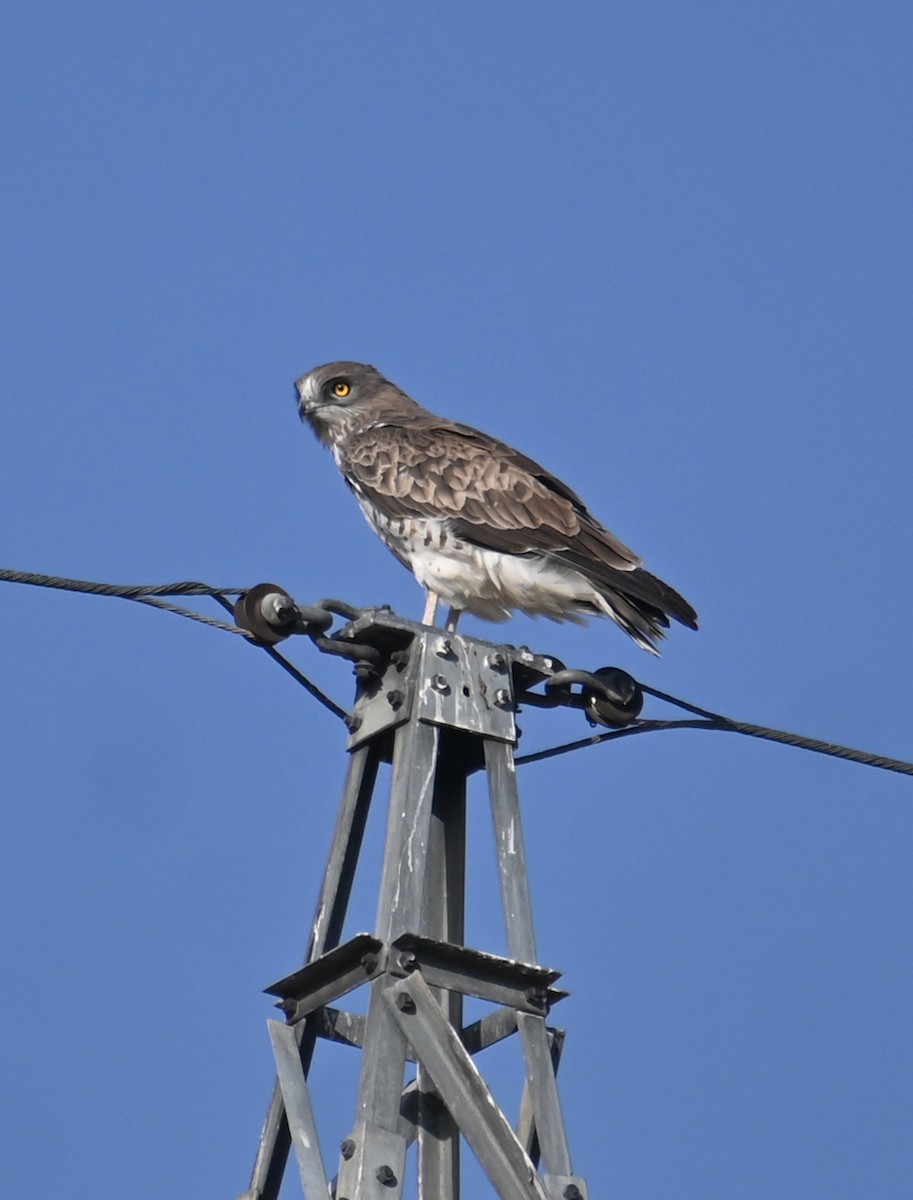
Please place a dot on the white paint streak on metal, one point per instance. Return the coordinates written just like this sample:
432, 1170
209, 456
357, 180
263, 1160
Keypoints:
426, 785
318, 921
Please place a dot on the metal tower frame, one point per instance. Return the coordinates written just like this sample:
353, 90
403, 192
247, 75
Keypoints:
438, 707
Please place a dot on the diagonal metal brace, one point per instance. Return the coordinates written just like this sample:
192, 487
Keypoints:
298, 1110
438, 1048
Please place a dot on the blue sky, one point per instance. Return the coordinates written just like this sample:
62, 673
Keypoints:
666, 250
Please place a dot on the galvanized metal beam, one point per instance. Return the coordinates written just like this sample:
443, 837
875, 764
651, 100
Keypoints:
521, 941
298, 1111
526, 1124
522, 985
332, 975
443, 908
463, 1090
415, 760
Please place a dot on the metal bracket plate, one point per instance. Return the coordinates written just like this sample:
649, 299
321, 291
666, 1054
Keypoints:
386, 702
462, 683
465, 684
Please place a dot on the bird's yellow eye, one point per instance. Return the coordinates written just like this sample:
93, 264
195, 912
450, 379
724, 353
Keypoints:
341, 389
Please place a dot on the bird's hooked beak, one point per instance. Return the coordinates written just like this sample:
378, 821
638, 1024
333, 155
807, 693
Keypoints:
313, 409
308, 396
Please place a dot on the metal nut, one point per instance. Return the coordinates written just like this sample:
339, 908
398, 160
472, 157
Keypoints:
347, 1149
439, 683
407, 960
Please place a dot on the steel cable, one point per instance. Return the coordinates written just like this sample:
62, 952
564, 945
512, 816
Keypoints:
152, 594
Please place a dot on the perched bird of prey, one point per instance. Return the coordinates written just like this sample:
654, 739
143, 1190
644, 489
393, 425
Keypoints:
481, 526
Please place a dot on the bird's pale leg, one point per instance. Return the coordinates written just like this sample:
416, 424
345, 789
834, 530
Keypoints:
430, 609
453, 615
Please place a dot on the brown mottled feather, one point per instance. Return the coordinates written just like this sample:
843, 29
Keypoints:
445, 470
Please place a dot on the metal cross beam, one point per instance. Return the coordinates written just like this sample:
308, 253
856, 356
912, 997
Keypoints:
438, 707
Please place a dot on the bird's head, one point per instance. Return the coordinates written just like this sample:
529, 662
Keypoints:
335, 398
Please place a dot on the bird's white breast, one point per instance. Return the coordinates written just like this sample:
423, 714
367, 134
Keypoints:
484, 582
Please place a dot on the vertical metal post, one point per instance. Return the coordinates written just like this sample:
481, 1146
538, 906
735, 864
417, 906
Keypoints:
542, 1087
443, 920
374, 1164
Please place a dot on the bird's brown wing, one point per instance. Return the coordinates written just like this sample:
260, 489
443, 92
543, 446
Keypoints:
493, 496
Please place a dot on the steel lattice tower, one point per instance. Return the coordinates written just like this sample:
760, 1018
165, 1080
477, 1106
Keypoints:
438, 707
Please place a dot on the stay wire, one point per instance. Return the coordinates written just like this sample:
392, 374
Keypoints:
714, 721
141, 593
152, 594
311, 688
128, 591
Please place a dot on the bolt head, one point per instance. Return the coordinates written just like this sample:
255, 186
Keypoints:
439, 683
347, 1149
443, 647
386, 1175
405, 1003
502, 698
572, 1192
277, 608
496, 661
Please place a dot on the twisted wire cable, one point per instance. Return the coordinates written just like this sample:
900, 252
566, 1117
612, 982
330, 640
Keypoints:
725, 725
152, 594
